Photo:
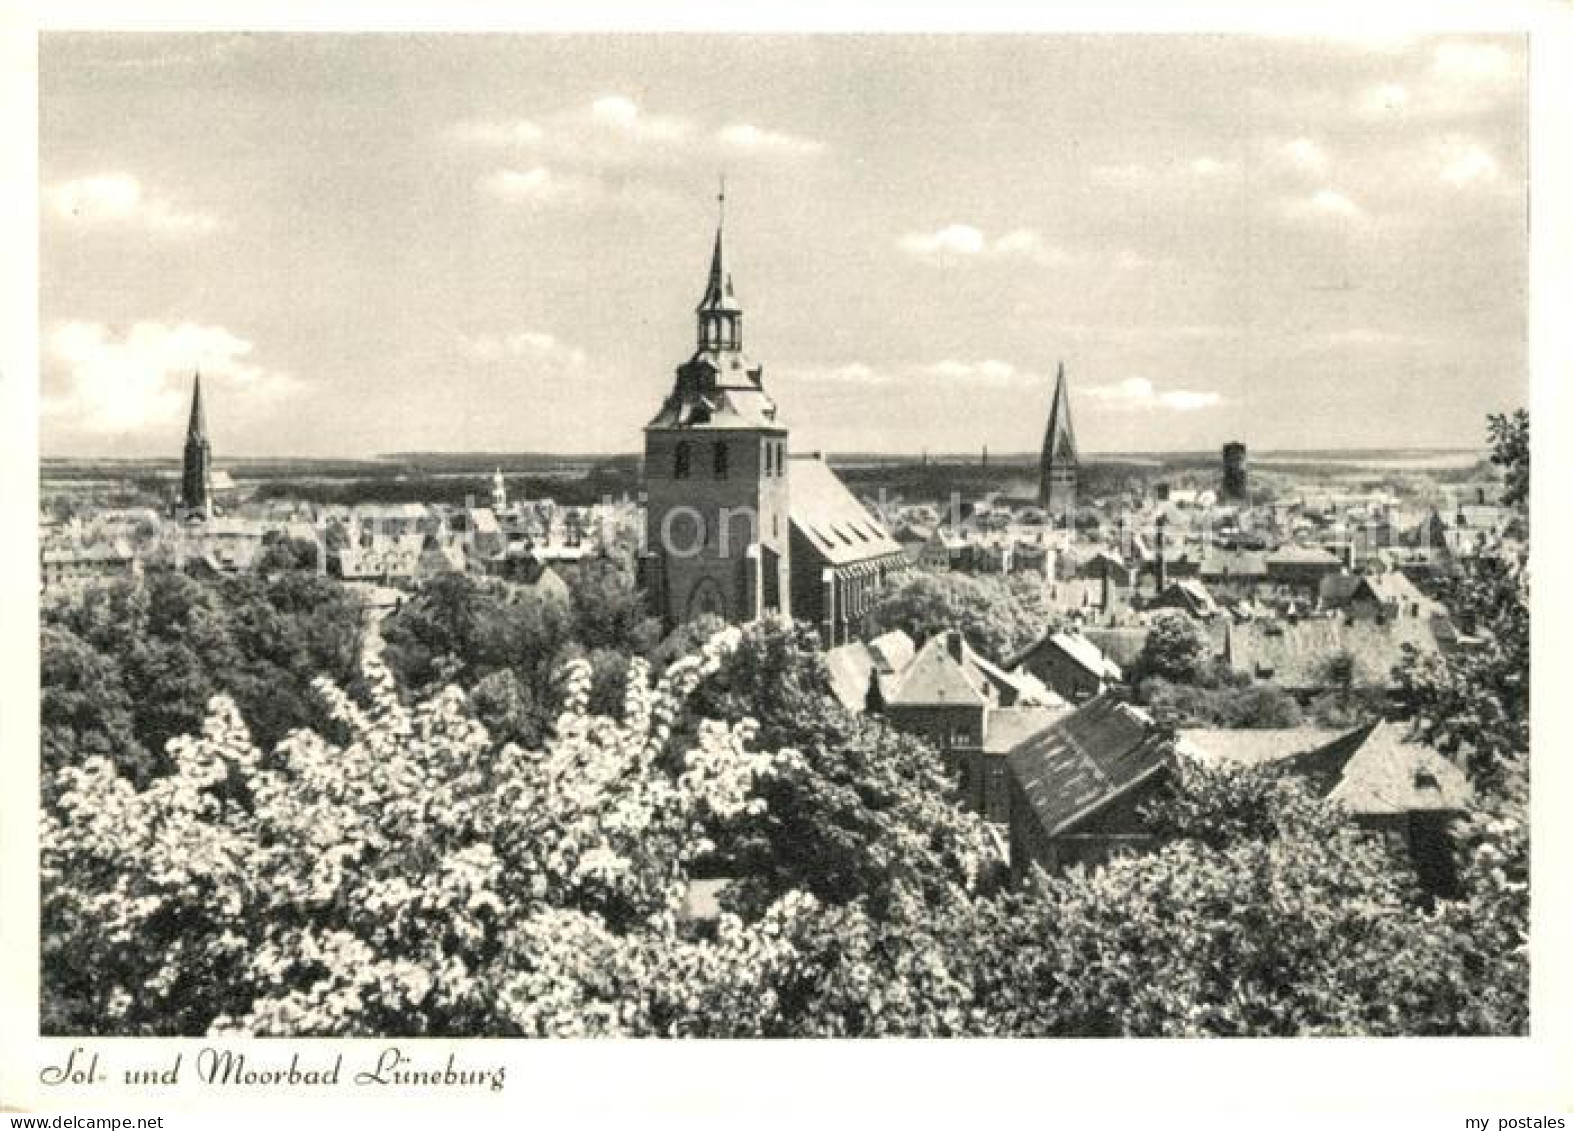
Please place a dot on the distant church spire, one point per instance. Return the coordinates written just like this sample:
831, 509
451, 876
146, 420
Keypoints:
197, 426
720, 316
1057, 485
196, 475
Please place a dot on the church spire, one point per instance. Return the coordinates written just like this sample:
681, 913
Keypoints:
196, 474
197, 426
1057, 491
720, 316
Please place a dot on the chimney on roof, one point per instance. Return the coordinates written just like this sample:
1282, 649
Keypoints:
953, 644
1160, 567
874, 697
1349, 555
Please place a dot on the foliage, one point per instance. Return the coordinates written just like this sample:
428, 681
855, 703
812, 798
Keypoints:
1264, 913
283, 553
866, 812
506, 644
1175, 649
127, 666
1510, 437
1474, 701
415, 880
1235, 707
992, 612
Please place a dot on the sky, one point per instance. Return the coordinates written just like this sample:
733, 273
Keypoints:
380, 243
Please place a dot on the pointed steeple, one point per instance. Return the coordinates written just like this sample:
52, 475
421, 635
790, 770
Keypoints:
720, 316
197, 426
1057, 491
1060, 442
196, 474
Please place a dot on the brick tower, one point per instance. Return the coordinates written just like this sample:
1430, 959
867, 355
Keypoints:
717, 527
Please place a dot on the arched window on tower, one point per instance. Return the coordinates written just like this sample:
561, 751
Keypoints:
719, 459
680, 460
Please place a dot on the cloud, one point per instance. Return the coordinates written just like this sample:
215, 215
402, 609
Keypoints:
1305, 155
958, 243
1389, 99
497, 134
1465, 163
1169, 176
1462, 77
587, 154
1476, 66
980, 374
625, 116
539, 185
109, 383
532, 345
1324, 204
851, 373
753, 139
988, 371
118, 200
1138, 394
952, 240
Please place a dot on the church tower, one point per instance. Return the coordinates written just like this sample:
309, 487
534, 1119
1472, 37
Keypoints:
717, 527
196, 476
1057, 483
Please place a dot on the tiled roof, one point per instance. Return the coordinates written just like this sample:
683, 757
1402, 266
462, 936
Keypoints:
1121, 645
1086, 759
828, 515
1302, 555
894, 649
1006, 728
1378, 771
1082, 651
718, 389
849, 666
1253, 747
936, 678
1293, 654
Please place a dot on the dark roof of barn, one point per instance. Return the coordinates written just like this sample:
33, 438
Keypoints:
1086, 759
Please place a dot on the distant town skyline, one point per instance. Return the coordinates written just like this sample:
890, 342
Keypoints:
374, 244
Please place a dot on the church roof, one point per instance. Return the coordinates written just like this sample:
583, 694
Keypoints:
831, 518
1060, 442
718, 390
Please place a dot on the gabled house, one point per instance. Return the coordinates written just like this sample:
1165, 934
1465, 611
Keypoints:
971, 709
1391, 784
1069, 664
1076, 786
864, 673
1189, 596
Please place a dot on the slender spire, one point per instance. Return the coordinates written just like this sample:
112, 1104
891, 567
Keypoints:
197, 426
1060, 442
720, 316
196, 471
1057, 490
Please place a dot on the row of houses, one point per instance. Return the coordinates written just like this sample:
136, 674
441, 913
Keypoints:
1048, 747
